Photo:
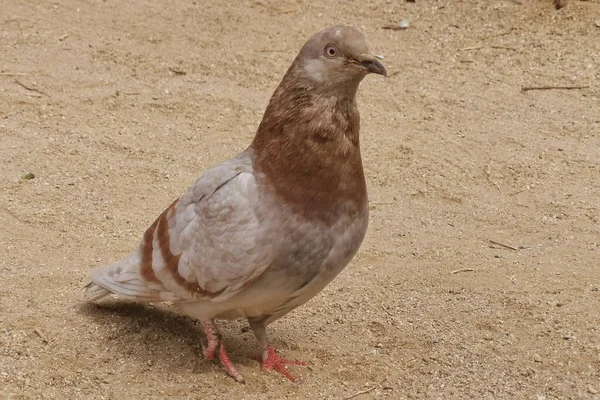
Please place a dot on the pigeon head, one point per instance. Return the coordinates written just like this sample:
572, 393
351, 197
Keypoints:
337, 57
307, 146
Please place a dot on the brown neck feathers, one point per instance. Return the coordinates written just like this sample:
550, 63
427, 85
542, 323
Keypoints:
307, 149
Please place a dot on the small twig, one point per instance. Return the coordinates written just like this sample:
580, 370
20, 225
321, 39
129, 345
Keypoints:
462, 270
497, 186
499, 34
489, 177
471, 48
527, 88
40, 334
504, 48
63, 37
177, 71
388, 312
493, 47
521, 191
503, 245
359, 393
118, 93
29, 88
287, 11
394, 27
13, 74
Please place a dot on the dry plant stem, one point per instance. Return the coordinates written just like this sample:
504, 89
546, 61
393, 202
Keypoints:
504, 48
462, 270
503, 245
387, 311
359, 393
394, 27
29, 88
499, 34
489, 178
528, 88
41, 335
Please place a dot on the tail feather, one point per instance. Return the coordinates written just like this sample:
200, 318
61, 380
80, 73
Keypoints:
94, 292
123, 278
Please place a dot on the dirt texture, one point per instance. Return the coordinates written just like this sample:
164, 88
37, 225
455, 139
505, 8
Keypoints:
479, 277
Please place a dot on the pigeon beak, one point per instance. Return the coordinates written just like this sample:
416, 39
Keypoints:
371, 64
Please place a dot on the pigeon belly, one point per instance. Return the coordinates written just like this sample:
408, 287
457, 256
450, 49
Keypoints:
312, 256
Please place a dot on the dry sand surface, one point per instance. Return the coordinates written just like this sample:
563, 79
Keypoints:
479, 276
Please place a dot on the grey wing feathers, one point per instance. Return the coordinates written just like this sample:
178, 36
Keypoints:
208, 244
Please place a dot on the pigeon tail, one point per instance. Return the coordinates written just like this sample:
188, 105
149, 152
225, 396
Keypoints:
123, 278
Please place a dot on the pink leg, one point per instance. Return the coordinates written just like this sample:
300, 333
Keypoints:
269, 358
212, 337
215, 341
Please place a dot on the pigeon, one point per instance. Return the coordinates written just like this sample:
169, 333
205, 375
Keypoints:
264, 232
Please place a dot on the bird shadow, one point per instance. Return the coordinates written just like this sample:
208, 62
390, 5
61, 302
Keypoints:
151, 334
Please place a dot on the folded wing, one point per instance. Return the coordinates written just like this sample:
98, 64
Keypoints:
208, 244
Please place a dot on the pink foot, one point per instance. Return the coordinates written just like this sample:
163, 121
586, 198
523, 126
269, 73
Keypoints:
216, 343
277, 363
228, 365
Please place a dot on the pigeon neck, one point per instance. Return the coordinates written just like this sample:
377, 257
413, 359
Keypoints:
307, 149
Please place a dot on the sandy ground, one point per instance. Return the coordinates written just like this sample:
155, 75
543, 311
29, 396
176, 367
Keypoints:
479, 276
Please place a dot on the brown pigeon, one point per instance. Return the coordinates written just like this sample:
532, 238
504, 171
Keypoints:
260, 234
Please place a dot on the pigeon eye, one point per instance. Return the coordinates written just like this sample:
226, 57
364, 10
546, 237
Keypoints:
331, 51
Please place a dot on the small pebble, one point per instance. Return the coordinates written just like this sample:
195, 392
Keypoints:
592, 390
560, 3
404, 24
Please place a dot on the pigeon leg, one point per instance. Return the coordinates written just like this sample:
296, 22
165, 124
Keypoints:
270, 358
212, 338
214, 343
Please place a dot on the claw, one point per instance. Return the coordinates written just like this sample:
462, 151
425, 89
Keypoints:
275, 362
228, 365
214, 344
